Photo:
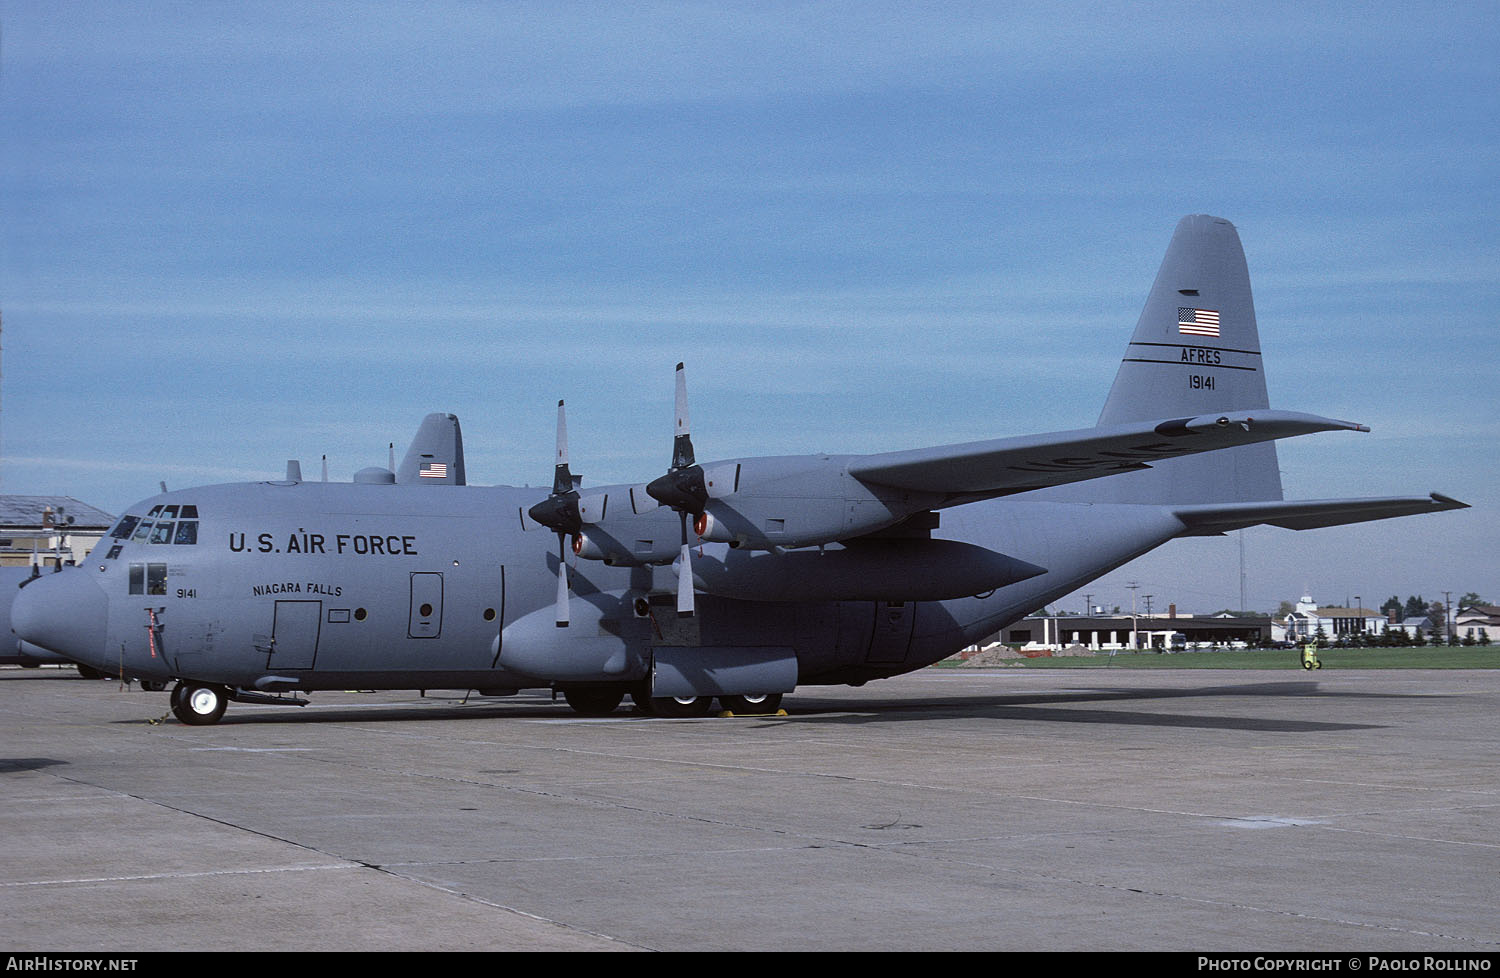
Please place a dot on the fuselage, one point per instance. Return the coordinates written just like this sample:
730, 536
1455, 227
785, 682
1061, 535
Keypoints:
310, 585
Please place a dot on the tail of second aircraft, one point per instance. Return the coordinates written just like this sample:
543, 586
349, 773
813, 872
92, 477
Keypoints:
1195, 350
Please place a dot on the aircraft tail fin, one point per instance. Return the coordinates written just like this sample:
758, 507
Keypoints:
1195, 351
436, 455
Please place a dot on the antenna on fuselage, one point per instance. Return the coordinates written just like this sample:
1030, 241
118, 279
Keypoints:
325, 468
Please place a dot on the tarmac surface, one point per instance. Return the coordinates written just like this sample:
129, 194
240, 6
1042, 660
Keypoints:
947, 810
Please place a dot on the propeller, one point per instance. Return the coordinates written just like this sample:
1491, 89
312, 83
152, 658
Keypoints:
559, 512
683, 489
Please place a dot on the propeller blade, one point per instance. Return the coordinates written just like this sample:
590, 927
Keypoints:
562, 583
562, 478
682, 442
682, 487
685, 607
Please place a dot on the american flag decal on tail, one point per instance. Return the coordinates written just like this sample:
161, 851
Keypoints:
1197, 322
433, 470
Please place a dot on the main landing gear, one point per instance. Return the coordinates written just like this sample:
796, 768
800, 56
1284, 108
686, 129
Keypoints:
601, 701
751, 705
593, 702
199, 704
685, 707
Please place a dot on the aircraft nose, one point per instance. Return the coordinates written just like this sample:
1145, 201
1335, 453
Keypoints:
64, 613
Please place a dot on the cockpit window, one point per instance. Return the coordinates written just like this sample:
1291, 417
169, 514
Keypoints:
159, 526
125, 527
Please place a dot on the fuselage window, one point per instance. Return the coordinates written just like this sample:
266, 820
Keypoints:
162, 533
156, 578
190, 512
155, 511
170, 512
187, 531
142, 532
137, 578
113, 552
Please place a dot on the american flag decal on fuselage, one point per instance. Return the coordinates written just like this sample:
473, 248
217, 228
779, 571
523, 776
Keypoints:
1197, 322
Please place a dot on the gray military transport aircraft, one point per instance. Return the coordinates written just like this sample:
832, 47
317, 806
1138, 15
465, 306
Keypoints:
737, 580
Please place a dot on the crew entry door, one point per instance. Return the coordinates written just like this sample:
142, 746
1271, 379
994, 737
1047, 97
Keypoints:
294, 634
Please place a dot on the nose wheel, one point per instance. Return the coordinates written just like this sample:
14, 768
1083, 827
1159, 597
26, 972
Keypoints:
199, 704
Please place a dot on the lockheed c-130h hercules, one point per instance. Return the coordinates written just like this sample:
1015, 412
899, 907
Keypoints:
736, 580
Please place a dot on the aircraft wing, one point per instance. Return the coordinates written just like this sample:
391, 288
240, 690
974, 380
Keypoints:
1003, 466
1210, 519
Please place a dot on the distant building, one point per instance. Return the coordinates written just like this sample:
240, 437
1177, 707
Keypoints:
48, 529
1479, 623
1304, 623
1411, 625
1116, 632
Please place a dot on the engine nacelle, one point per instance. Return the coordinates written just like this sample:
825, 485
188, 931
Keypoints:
712, 530
587, 548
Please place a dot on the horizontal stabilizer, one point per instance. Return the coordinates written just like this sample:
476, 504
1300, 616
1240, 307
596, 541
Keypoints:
1214, 518
1008, 465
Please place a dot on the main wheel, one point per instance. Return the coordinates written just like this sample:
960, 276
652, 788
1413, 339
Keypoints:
199, 704
593, 702
681, 706
751, 704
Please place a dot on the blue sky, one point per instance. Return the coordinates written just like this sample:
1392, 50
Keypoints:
233, 234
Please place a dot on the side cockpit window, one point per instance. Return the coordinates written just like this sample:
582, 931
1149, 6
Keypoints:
124, 528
